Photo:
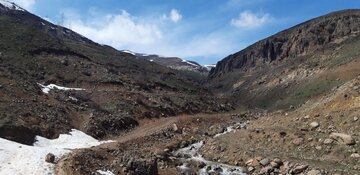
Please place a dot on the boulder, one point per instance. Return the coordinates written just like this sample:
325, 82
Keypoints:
252, 162
299, 169
298, 141
314, 125
355, 155
274, 164
50, 158
278, 161
202, 165
328, 141
175, 128
266, 170
251, 169
264, 162
314, 172
343, 138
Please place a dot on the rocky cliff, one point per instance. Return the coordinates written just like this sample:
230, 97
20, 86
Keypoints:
296, 41
293, 65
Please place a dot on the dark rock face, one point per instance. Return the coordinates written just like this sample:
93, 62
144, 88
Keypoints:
296, 41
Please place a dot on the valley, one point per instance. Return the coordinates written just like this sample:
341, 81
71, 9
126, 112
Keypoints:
288, 104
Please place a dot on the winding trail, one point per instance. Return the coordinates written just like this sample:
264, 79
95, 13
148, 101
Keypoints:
147, 128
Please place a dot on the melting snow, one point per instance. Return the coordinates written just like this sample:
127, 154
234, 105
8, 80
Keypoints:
46, 89
19, 159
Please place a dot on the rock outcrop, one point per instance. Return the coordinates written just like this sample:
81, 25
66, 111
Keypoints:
296, 41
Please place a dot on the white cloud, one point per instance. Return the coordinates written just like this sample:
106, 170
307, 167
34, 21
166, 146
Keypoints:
149, 35
26, 4
174, 16
215, 45
247, 20
119, 30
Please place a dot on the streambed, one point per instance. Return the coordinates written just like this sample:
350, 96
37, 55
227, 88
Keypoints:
191, 153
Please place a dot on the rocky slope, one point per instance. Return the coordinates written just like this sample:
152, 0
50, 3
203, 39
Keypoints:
113, 91
319, 138
291, 66
53, 80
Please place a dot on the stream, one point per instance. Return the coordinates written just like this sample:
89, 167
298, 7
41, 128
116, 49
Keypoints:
190, 153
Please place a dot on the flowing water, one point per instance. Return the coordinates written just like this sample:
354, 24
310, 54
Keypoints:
191, 153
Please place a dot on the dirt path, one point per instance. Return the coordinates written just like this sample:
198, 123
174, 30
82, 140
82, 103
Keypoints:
148, 127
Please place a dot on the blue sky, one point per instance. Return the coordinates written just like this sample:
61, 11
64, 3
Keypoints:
201, 30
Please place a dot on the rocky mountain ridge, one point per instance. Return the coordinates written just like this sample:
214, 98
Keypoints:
291, 66
296, 41
172, 62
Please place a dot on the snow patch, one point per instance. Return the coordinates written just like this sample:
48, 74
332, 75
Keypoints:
188, 62
19, 159
11, 5
128, 51
105, 172
210, 66
46, 89
144, 55
73, 98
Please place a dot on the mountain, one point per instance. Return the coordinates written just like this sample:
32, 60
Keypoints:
294, 65
172, 62
287, 104
53, 80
